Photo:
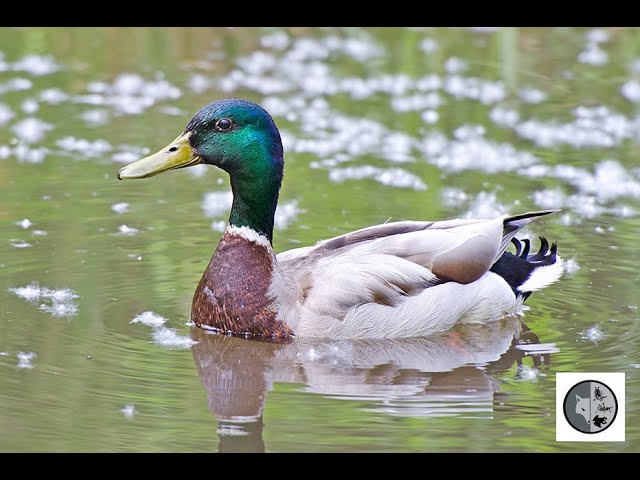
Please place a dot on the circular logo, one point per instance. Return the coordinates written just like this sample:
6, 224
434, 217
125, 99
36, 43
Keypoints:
590, 406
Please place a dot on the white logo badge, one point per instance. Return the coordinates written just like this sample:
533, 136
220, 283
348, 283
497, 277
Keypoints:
590, 407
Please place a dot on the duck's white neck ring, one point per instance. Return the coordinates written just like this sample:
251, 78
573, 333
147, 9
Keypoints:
248, 234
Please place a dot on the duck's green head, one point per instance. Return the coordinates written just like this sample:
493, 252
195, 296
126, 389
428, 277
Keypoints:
241, 138
236, 135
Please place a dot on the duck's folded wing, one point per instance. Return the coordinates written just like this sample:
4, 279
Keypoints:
336, 277
339, 283
377, 295
453, 250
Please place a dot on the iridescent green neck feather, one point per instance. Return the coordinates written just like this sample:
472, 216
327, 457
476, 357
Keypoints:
255, 197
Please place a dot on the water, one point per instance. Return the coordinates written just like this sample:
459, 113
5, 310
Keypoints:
96, 275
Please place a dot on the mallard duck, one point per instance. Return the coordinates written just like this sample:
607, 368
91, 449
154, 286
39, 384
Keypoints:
398, 279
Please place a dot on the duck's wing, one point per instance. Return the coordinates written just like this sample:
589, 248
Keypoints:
460, 250
369, 279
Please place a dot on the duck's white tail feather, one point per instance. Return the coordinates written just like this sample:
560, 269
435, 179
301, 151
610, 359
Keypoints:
543, 276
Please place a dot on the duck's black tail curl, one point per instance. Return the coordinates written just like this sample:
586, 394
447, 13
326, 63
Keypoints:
525, 272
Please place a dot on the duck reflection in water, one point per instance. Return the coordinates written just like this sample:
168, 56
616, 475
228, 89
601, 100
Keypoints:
447, 374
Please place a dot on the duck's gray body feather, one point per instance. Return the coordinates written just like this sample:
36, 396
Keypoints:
398, 279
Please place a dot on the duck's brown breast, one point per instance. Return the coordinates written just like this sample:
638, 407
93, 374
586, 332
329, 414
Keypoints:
233, 293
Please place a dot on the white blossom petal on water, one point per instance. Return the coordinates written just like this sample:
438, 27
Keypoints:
61, 302
36, 65
150, 319
168, 337
31, 130
24, 223
125, 230
120, 207
25, 359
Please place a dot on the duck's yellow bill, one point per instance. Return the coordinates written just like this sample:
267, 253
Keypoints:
178, 154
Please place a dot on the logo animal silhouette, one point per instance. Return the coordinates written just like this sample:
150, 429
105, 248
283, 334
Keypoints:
598, 394
603, 408
599, 421
582, 407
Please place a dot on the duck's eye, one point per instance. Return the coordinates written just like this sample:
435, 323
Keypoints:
223, 124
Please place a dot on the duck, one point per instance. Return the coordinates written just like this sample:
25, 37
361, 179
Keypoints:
408, 278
